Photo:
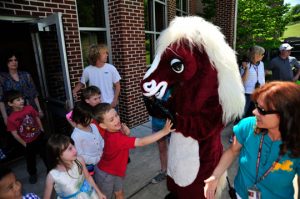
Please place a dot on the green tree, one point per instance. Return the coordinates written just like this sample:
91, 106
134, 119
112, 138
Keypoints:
294, 13
260, 22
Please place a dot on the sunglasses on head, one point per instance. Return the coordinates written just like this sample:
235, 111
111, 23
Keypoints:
263, 111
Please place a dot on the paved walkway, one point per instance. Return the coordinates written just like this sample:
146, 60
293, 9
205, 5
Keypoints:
143, 167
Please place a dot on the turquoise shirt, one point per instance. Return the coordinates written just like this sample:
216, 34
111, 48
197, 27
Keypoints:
279, 182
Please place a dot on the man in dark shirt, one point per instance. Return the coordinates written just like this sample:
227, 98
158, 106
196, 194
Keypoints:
282, 65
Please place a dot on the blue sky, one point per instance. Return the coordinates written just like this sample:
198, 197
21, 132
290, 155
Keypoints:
292, 2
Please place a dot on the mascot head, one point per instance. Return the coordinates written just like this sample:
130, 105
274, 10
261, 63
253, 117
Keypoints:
194, 60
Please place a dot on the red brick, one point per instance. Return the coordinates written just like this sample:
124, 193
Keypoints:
21, 2
13, 6
40, 4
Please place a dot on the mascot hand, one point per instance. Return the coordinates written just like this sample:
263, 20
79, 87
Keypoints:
210, 187
156, 108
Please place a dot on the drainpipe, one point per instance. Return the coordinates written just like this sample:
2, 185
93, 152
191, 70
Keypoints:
235, 24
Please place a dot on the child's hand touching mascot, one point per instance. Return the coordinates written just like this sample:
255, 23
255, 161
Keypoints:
200, 68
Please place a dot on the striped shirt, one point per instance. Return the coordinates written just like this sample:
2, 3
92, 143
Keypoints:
256, 73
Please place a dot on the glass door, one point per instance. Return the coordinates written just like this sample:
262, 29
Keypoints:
50, 54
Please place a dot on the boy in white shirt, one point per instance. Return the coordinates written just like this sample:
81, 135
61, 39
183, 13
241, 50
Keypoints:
101, 74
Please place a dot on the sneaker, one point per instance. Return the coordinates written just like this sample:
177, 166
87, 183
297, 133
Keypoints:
159, 177
33, 179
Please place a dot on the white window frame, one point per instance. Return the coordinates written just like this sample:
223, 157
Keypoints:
154, 32
98, 29
183, 13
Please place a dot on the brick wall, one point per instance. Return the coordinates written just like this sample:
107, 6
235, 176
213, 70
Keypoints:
225, 18
129, 56
192, 7
43, 8
171, 10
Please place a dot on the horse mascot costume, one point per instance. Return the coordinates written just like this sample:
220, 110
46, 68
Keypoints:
194, 61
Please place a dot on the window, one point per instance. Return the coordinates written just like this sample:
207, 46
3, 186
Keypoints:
155, 22
182, 7
92, 25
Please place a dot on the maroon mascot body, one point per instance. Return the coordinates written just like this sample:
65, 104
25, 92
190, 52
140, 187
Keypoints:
195, 62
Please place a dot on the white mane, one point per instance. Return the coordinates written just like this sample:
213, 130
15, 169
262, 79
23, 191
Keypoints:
207, 36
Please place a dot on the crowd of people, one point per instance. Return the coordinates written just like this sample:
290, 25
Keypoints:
265, 140
91, 163
82, 157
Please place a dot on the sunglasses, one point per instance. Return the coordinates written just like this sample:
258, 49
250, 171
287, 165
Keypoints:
262, 111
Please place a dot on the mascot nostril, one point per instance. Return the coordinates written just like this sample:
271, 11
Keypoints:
199, 68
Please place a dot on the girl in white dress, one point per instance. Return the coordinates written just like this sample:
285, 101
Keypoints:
68, 174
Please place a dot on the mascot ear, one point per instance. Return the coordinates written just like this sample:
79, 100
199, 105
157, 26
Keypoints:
156, 108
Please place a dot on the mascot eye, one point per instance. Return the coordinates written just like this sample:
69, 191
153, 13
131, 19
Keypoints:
177, 65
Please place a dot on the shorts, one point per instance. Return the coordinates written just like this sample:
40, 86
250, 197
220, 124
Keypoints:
107, 183
157, 124
90, 168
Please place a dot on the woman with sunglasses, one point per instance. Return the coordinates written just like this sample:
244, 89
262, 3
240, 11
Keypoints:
15, 79
268, 146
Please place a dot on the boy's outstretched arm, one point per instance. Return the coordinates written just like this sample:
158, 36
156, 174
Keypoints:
156, 136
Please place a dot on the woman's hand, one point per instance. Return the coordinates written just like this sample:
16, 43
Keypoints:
244, 65
210, 187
